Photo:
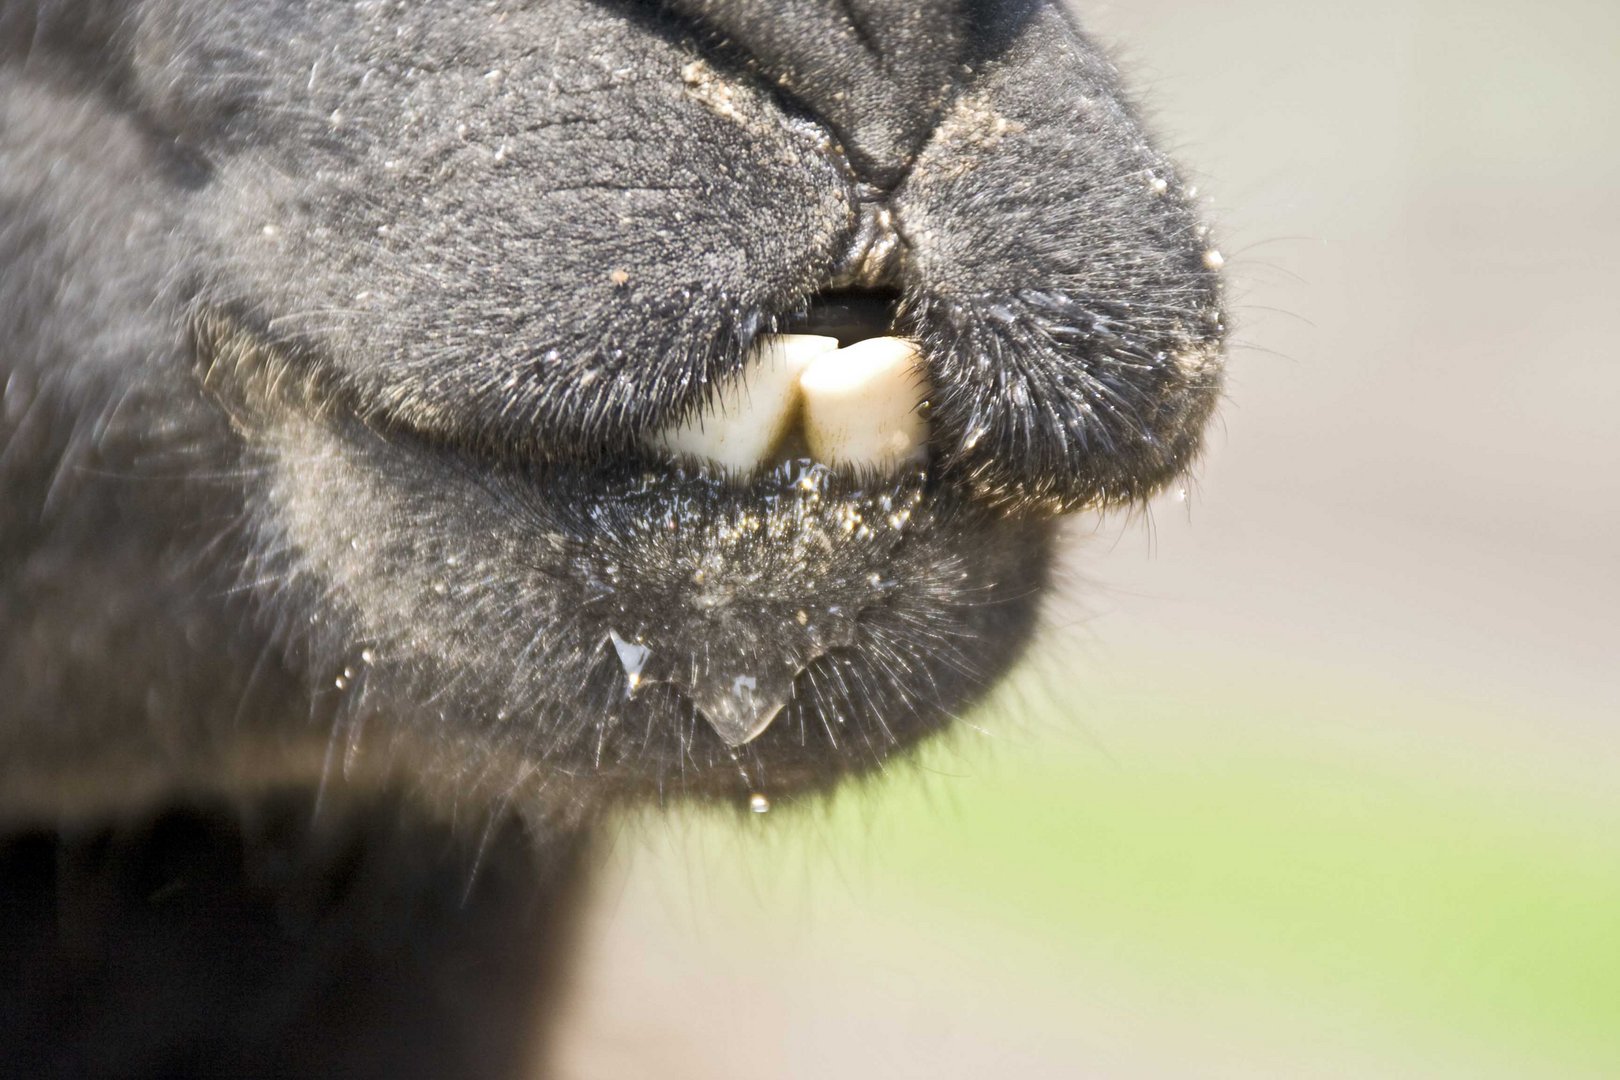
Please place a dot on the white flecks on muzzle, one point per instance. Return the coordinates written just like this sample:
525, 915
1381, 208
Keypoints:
857, 406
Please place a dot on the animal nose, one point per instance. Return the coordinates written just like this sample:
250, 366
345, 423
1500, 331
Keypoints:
876, 72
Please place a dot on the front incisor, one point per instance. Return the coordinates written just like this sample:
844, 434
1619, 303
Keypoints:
862, 405
746, 419
859, 406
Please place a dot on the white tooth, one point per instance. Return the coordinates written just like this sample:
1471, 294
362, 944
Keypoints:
860, 403
742, 421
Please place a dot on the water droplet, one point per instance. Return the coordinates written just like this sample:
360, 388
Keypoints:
633, 658
759, 804
741, 707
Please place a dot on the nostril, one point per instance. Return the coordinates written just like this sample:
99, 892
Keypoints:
850, 315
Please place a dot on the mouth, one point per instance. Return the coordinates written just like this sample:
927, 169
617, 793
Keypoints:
802, 418
861, 407
776, 586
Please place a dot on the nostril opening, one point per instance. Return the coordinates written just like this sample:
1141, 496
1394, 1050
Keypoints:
850, 315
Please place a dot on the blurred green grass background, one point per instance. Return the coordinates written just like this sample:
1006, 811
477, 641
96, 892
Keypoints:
1425, 901
1228, 879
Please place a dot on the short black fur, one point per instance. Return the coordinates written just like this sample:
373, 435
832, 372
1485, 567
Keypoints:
330, 338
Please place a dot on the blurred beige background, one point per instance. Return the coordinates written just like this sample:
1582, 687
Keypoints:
1398, 561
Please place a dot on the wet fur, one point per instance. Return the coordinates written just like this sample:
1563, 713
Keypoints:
327, 335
